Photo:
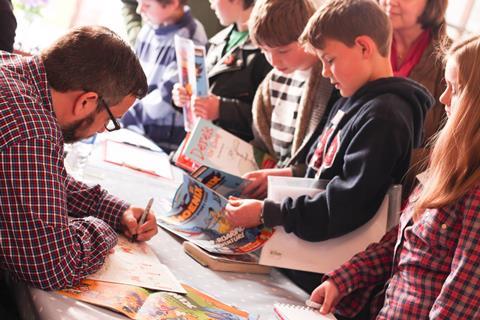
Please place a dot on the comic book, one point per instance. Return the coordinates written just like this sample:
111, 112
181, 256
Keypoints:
222, 182
141, 304
134, 263
192, 74
214, 147
197, 214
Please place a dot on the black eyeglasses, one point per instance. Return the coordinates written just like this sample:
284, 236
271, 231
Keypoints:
112, 124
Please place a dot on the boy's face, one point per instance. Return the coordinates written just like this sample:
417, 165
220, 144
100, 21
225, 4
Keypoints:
155, 12
404, 14
227, 11
452, 92
289, 58
344, 66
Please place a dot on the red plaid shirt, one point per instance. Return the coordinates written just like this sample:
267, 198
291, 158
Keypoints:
39, 244
424, 270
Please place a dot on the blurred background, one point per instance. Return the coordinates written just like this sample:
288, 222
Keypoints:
42, 21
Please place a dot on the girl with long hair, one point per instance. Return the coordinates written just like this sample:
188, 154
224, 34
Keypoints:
429, 265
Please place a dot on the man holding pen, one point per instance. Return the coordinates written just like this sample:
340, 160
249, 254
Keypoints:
76, 87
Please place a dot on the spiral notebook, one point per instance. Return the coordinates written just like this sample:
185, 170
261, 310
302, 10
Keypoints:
292, 312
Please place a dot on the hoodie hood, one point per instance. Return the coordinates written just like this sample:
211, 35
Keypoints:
413, 93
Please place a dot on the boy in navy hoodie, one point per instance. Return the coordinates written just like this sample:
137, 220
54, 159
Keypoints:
367, 142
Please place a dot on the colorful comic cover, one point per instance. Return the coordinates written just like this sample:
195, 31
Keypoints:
222, 182
140, 304
214, 147
197, 215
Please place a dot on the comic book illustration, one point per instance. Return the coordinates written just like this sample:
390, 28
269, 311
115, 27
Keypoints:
222, 182
214, 147
140, 304
135, 263
197, 215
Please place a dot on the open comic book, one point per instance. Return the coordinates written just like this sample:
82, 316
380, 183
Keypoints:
214, 147
140, 304
134, 263
192, 74
197, 214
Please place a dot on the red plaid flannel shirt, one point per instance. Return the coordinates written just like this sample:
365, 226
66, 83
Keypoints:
429, 269
39, 245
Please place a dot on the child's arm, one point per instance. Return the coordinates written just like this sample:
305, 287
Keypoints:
459, 295
348, 288
374, 154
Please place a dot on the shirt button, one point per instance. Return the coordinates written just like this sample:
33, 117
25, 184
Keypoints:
444, 226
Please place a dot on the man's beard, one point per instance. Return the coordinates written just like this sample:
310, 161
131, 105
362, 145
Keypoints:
71, 130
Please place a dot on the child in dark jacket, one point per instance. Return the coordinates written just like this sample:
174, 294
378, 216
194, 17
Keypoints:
367, 142
235, 69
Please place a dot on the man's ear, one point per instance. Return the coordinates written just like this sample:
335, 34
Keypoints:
366, 45
85, 104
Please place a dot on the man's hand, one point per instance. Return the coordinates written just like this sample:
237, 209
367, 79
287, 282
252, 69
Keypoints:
327, 295
130, 219
243, 212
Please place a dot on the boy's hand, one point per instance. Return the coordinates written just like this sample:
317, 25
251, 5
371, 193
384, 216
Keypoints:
129, 221
258, 186
180, 96
243, 212
327, 295
207, 107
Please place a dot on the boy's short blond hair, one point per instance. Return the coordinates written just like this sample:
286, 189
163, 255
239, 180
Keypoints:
345, 20
276, 23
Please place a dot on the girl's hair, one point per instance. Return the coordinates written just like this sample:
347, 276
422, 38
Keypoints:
455, 160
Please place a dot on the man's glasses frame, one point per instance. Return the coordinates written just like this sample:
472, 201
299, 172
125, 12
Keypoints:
113, 123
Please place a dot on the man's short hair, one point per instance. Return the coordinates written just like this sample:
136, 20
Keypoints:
94, 58
345, 20
277, 23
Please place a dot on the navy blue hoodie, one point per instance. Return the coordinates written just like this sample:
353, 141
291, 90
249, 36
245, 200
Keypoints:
364, 148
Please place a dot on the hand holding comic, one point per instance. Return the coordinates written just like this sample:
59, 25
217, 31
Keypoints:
244, 212
180, 95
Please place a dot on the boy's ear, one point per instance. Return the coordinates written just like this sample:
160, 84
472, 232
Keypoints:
366, 45
85, 104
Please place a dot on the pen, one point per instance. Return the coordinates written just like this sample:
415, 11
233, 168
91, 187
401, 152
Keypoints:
143, 217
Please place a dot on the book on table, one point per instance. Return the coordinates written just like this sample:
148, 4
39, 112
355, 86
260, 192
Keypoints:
142, 304
210, 145
135, 263
138, 158
247, 262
